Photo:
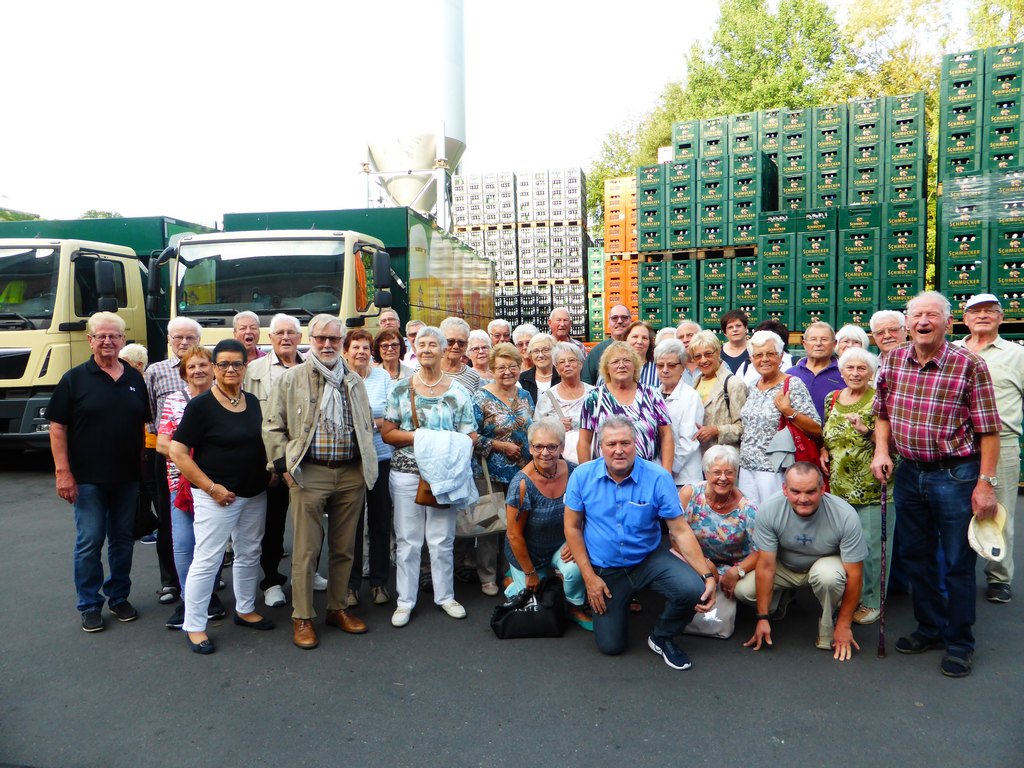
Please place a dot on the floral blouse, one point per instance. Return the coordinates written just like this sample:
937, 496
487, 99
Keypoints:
499, 421
725, 539
648, 413
849, 452
452, 411
761, 421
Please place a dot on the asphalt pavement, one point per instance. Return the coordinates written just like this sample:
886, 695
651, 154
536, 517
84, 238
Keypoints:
442, 692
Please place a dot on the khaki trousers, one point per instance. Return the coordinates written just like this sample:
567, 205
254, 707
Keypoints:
340, 494
826, 578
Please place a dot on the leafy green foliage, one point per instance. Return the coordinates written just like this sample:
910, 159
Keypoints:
6, 214
996, 22
94, 214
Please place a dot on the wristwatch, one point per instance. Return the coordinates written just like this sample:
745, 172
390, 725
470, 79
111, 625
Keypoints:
993, 481
740, 571
706, 576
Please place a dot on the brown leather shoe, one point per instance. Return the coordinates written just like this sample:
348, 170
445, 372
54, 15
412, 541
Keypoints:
303, 634
346, 622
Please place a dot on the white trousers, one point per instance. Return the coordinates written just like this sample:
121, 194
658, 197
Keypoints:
415, 523
758, 486
242, 522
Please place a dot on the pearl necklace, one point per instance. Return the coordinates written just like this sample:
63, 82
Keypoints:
423, 381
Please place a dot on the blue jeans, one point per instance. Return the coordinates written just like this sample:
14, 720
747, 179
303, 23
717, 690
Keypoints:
669, 576
934, 512
183, 541
104, 512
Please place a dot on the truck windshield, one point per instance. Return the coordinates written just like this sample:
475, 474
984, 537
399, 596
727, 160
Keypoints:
28, 286
261, 276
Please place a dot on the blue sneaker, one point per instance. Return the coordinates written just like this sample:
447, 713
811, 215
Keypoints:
149, 538
673, 655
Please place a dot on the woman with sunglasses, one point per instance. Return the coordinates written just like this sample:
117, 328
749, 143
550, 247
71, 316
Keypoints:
456, 335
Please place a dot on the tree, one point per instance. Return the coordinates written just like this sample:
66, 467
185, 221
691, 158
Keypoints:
996, 22
617, 157
94, 214
6, 214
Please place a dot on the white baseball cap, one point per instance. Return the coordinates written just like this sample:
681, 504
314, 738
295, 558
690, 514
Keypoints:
986, 536
982, 298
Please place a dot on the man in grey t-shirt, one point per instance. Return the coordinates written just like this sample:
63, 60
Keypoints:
806, 537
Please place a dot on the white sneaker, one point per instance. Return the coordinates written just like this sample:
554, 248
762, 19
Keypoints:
454, 609
489, 588
400, 617
352, 598
274, 597
319, 583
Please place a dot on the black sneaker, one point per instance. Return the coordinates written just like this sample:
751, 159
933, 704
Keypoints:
673, 655
216, 609
124, 611
92, 621
998, 592
177, 619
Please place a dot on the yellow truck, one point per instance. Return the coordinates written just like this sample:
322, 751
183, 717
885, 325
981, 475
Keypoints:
48, 289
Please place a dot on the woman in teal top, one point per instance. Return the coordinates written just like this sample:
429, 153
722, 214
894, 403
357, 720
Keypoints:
848, 435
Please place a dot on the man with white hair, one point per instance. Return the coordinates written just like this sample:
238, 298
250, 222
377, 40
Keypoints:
326, 457
935, 402
411, 329
163, 378
819, 371
889, 330
560, 325
246, 327
96, 415
500, 331
984, 314
260, 378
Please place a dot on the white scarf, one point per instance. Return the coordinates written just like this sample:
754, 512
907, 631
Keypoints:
332, 404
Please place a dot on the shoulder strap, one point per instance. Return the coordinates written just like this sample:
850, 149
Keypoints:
412, 399
725, 393
554, 403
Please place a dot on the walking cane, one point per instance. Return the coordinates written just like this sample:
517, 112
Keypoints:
881, 612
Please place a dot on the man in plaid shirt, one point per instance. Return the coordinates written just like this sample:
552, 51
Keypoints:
936, 403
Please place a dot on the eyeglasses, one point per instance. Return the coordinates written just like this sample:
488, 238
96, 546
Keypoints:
390, 345
474, 350
457, 342
106, 336
619, 363
563, 361
620, 318
668, 365
887, 332
235, 365
178, 339
544, 448
285, 333
540, 351
506, 369
324, 339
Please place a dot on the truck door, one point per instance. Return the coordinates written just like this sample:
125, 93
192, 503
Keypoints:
84, 302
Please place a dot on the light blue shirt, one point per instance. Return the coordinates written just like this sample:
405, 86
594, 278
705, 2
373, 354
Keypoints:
378, 386
621, 520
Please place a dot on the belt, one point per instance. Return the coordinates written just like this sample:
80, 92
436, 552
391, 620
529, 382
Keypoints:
948, 463
329, 464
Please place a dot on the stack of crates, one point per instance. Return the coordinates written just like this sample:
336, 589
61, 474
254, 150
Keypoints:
904, 240
651, 205
961, 112
621, 285
906, 149
866, 163
860, 248
1004, 74
619, 213
596, 318
828, 156
753, 184
776, 257
713, 184
818, 270
794, 160
668, 291
715, 290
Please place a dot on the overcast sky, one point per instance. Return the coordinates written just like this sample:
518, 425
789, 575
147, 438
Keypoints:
196, 109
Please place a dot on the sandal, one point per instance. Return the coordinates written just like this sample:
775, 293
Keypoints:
955, 666
918, 643
581, 616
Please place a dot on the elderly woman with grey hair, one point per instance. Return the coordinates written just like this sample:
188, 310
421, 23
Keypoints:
774, 398
684, 408
849, 436
535, 507
722, 518
850, 336
479, 354
564, 401
456, 335
721, 392
521, 338
543, 375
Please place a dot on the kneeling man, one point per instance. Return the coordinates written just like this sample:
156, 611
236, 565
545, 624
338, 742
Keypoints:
613, 506
807, 537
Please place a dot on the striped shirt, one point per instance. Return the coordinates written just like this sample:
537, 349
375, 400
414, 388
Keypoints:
936, 410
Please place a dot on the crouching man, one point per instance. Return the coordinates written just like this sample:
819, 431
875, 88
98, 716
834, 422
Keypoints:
613, 506
807, 537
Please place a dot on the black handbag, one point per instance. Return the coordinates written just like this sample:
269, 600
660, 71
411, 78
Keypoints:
533, 614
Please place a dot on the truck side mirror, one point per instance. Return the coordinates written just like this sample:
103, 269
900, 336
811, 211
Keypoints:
105, 286
381, 273
382, 299
153, 288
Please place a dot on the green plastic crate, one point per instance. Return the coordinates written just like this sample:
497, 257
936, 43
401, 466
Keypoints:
859, 269
829, 117
712, 235
905, 105
963, 64
958, 117
681, 270
805, 316
685, 215
818, 220
911, 213
712, 169
712, 214
1003, 85
681, 236
871, 110
794, 202
895, 293
654, 197
859, 316
682, 193
712, 191
651, 176
1000, 112
793, 162
912, 241
1004, 58
686, 130
712, 147
777, 223
652, 273
961, 90
819, 246
681, 172
864, 242
743, 269
902, 267
963, 277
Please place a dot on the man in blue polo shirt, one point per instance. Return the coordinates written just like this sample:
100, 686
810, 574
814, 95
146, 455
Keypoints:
613, 506
820, 369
